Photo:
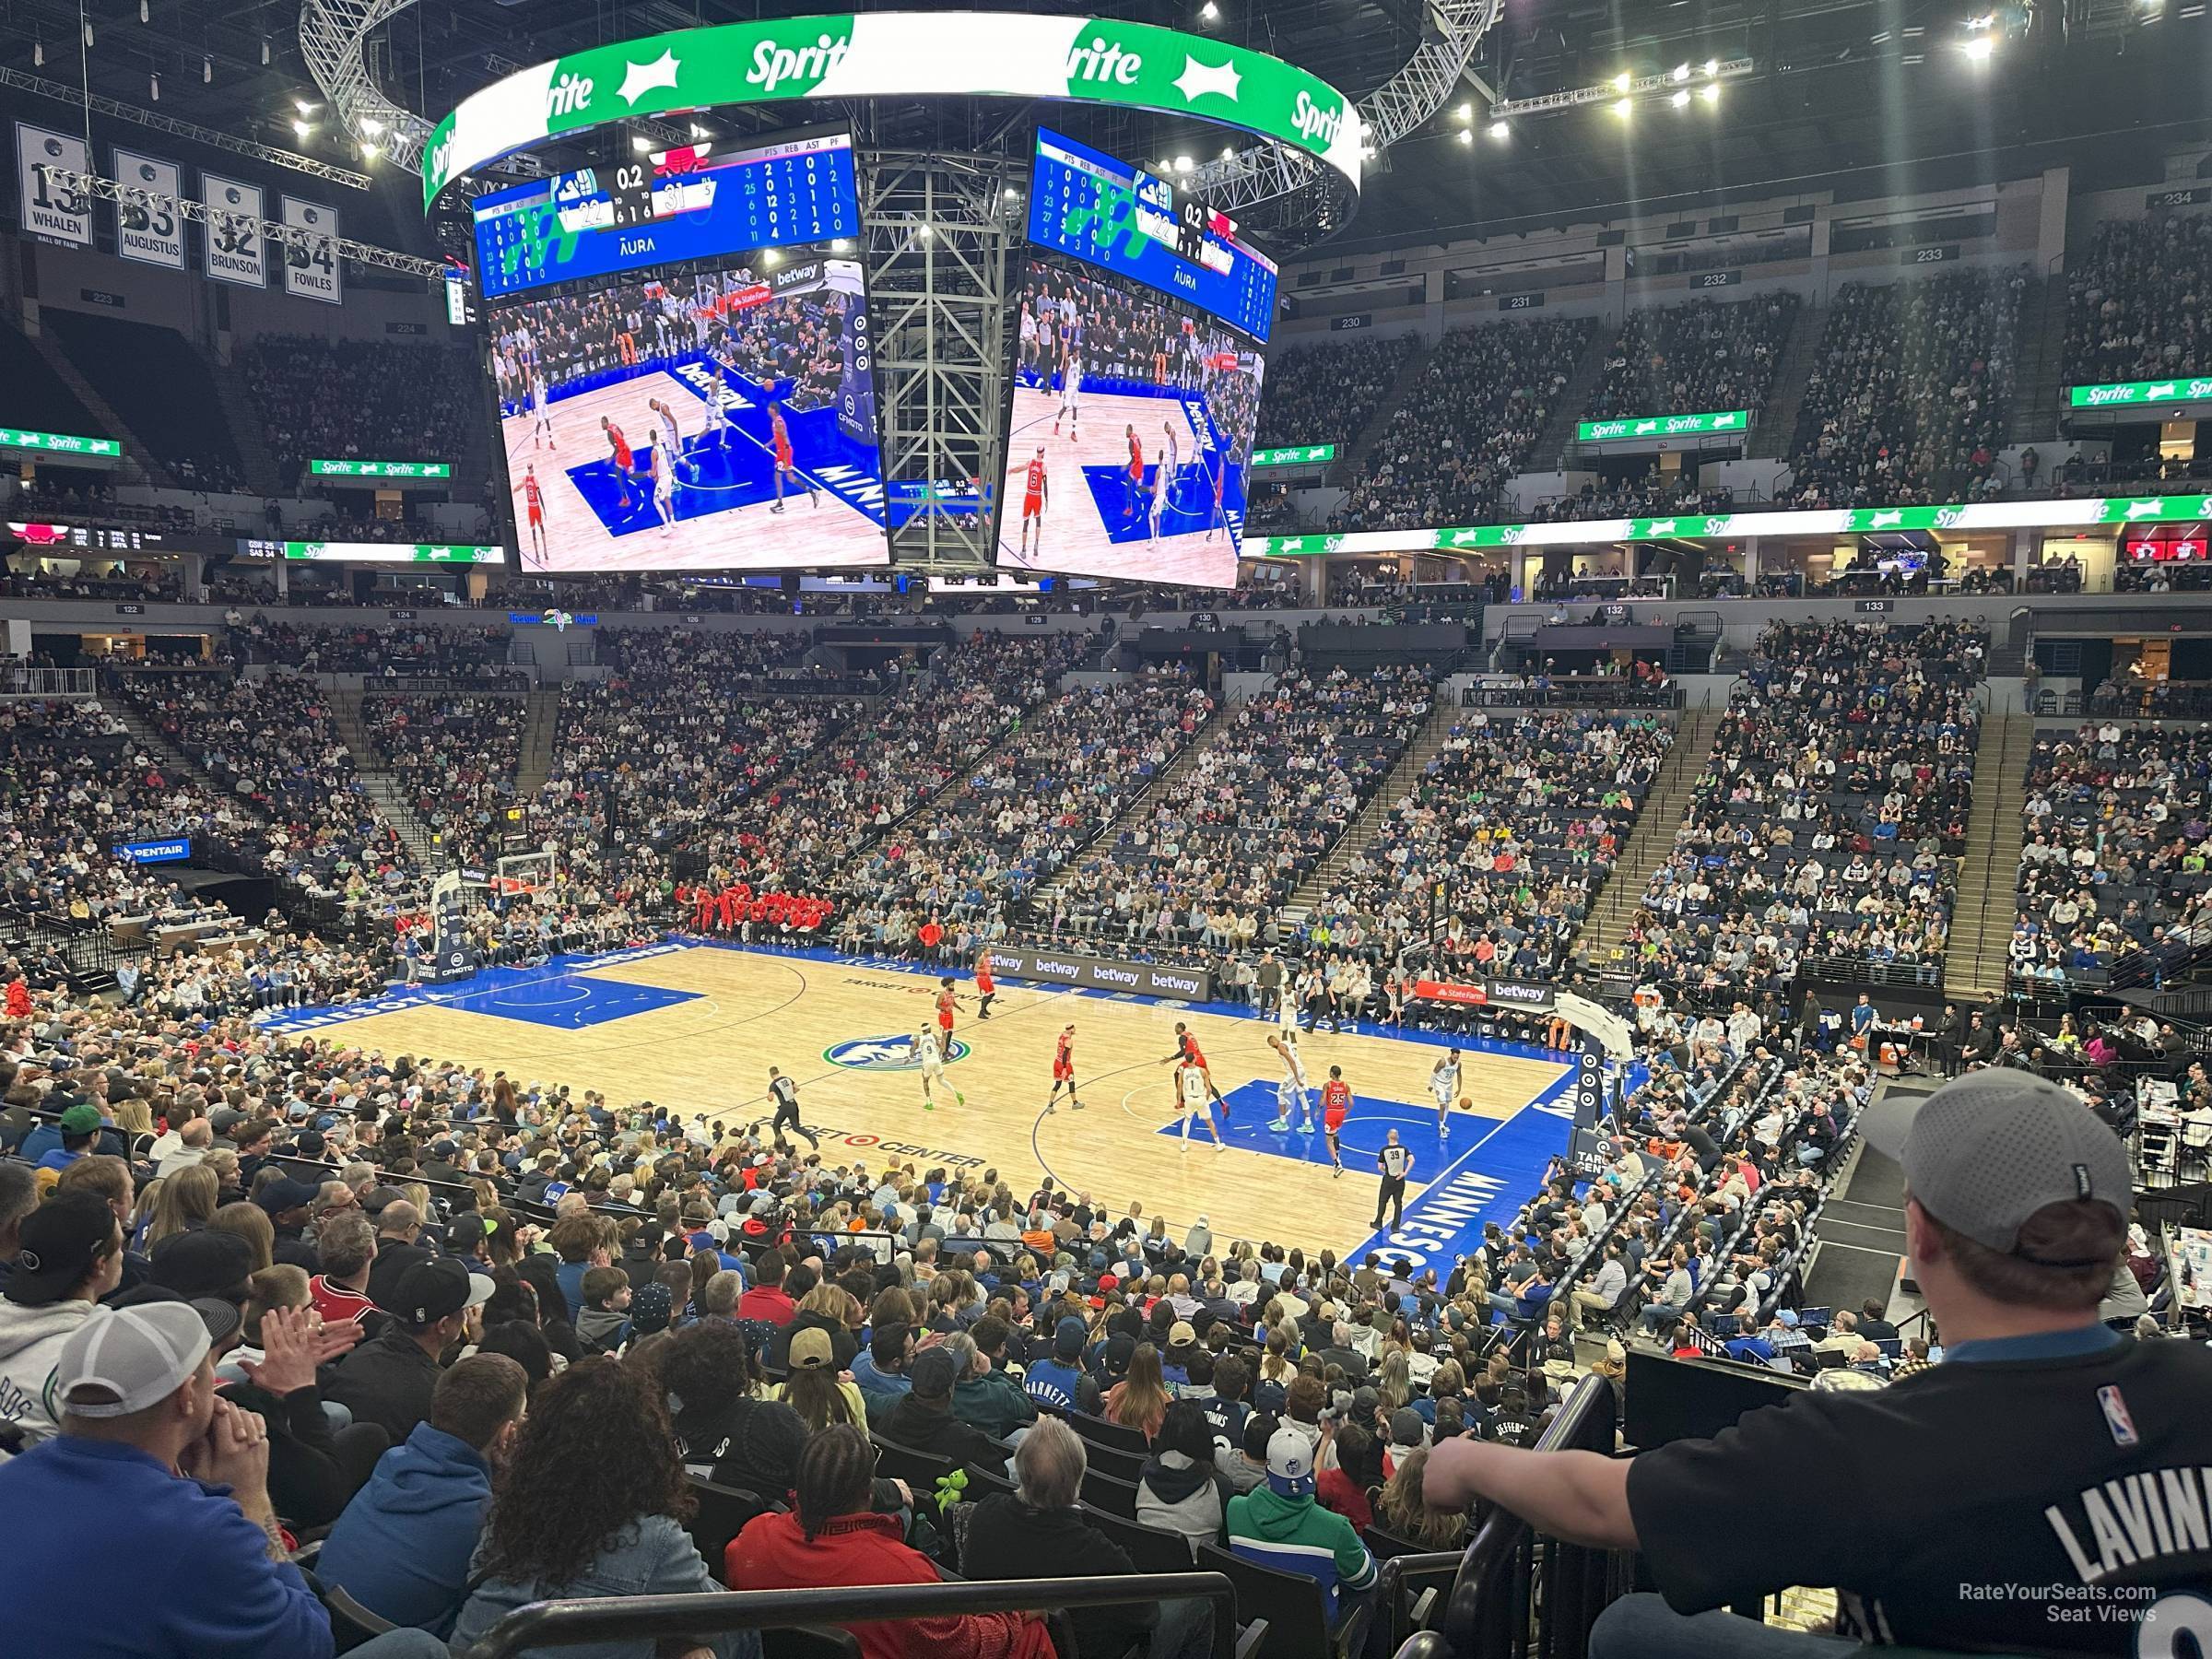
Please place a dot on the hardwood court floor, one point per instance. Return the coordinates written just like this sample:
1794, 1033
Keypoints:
745, 1011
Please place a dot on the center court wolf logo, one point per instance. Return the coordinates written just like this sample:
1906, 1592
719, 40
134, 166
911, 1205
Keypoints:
884, 1053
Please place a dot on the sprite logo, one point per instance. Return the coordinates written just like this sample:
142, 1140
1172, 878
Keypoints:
1314, 123
1103, 62
774, 65
571, 93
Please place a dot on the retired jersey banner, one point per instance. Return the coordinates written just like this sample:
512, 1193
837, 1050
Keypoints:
147, 227
312, 270
48, 210
232, 234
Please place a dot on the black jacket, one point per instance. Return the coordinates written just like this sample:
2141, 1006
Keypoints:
1008, 1540
309, 1483
387, 1380
912, 1424
292, 1247
393, 1259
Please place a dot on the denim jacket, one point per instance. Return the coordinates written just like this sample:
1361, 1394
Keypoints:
651, 1557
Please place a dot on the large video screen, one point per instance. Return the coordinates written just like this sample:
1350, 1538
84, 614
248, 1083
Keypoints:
693, 203
1145, 226
1130, 439
708, 414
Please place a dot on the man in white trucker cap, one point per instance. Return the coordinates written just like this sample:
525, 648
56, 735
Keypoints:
2048, 1464
144, 1528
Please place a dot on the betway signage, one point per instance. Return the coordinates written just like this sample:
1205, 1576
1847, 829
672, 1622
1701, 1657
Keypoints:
1484, 993
900, 54
1662, 426
380, 469
2120, 395
1103, 973
2087, 512
1296, 454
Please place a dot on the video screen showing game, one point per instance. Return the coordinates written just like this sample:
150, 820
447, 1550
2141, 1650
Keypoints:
1130, 437
685, 384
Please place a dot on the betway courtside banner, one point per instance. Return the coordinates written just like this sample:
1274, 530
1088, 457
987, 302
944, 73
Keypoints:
1102, 974
2087, 512
900, 54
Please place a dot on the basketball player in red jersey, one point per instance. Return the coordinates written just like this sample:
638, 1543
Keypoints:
624, 460
1063, 1069
947, 1002
1335, 1101
1187, 1052
1135, 478
533, 502
1036, 495
985, 986
780, 437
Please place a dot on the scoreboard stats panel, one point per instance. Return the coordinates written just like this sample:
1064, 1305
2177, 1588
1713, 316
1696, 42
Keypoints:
1143, 226
665, 207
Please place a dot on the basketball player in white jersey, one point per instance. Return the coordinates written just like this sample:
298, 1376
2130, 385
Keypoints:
663, 487
717, 413
1071, 387
1193, 1093
1175, 446
1444, 1083
667, 433
931, 1056
1291, 1092
542, 417
1159, 494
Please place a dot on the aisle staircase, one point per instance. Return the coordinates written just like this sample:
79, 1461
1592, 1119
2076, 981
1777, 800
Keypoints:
245, 427
541, 729
2038, 355
1352, 464
1140, 803
1548, 454
1360, 832
1777, 425
1652, 839
171, 760
138, 465
1983, 912
383, 787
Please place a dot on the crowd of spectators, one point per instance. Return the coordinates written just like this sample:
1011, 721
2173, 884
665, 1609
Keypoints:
2135, 299
1828, 819
1657, 494
1227, 841
1909, 395
2112, 855
388, 649
358, 400
1695, 358
1467, 426
1057, 781
1327, 393
454, 760
1520, 818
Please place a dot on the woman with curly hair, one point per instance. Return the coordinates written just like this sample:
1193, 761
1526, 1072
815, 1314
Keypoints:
833, 1538
591, 1502
723, 1429
1403, 1513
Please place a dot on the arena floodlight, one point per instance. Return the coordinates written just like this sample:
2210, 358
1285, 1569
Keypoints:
1466, 134
1500, 130
1681, 99
1681, 72
1620, 81
1623, 106
1980, 48
1710, 92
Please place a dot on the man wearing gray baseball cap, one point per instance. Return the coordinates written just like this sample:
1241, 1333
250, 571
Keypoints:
2038, 1492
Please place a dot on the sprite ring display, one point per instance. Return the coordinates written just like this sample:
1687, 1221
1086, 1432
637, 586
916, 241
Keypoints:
900, 54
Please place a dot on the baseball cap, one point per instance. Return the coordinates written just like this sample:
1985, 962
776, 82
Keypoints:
80, 1120
284, 1193
1180, 1334
1986, 1151
652, 1309
58, 1243
203, 1262
810, 1349
222, 1317
1290, 1463
931, 1373
430, 1291
224, 1119
1067, 1337
1406, 1427
124, 1359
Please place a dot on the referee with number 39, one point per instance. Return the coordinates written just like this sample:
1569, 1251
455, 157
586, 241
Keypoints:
1396, 1163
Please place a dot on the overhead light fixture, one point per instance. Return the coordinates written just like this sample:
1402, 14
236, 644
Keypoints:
1620, 81
1209, 11
300, 130
1466, 111
1623, 106
1229, 152
88, 31
922, 232
1681, 99
145, 13
207, 70
640, 143
1681, 72
771, 258
1710, 92
38, 54
1980, 48
841, 246
372, 126
306, 106
1500, 130
368, 153
1713, 68
1466, 134
264, 52
1183, 164
153, 87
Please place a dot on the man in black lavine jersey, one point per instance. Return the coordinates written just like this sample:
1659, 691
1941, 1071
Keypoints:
2046, 1490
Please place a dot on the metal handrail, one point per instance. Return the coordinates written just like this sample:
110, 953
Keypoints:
570, 1623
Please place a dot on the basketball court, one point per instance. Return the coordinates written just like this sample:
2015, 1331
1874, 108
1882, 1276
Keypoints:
724, 490
1089, 528
695, 1026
